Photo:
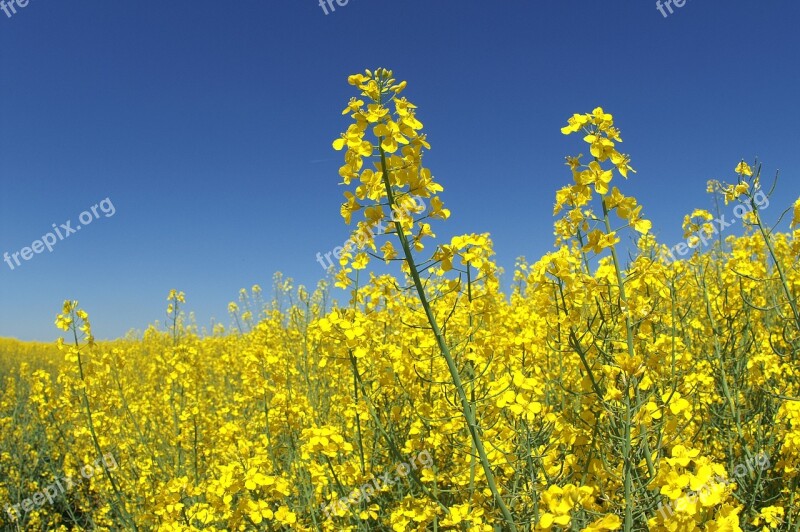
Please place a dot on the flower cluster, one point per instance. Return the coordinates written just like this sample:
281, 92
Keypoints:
384, 153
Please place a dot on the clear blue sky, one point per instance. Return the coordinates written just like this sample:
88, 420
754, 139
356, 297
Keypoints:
209, 127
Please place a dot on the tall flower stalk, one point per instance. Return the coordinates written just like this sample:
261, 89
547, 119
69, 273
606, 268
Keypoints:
397, 177
595, 234
74, 319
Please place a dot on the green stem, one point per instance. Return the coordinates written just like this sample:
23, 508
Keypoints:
627, 444
85, 400
469, 413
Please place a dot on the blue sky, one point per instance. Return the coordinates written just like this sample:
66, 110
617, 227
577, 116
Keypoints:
208, 125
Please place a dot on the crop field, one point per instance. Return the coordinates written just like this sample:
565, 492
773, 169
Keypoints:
615, 383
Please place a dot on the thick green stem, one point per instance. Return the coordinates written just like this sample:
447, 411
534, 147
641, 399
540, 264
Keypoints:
466, 407
627, 443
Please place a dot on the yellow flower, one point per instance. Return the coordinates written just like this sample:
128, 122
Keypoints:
390, 135
599, 146
598, 241
681, 455
677, 406
360, 262
772, 516
675, 484
257, 511
575, 123
622, 161
743, 169
604, 524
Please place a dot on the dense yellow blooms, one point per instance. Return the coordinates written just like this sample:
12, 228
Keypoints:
609, 393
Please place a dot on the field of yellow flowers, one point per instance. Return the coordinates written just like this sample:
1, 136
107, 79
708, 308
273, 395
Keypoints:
612, 388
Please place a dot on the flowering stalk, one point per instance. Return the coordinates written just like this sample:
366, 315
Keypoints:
68, 321
395, 179
602, 136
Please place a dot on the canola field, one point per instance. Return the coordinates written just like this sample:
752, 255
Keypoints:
620, 383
